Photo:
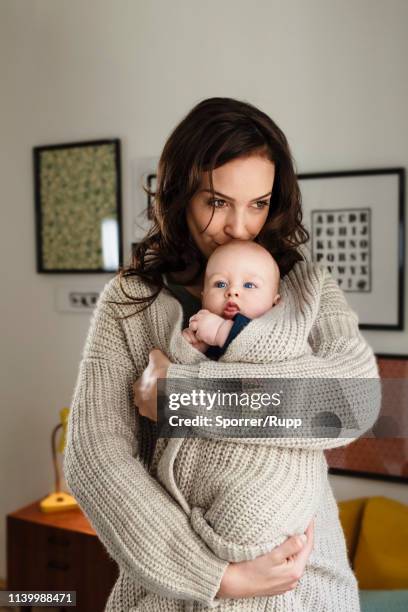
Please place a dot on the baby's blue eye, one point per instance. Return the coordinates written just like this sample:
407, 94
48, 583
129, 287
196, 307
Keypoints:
220, 284
249, 283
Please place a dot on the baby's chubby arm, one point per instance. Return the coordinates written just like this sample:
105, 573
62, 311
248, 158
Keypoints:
210, 328
190, 336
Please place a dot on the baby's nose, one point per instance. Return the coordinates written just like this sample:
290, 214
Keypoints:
232, 291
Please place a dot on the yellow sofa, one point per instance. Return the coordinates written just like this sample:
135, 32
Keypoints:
376, 532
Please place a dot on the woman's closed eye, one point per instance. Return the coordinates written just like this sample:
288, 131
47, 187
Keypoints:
218, 203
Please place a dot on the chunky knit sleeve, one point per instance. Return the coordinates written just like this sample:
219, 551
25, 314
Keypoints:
339, 354
141, 526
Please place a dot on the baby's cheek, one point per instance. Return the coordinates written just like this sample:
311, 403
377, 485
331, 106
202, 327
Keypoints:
212, 302
257, 307
250, 311
205, 301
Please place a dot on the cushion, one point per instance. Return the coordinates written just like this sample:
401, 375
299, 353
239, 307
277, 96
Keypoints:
384, 601
351, 513
381, 558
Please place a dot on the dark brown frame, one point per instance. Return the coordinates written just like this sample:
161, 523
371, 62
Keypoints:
37, 197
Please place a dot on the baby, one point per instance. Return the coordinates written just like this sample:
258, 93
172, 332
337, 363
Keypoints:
241, 283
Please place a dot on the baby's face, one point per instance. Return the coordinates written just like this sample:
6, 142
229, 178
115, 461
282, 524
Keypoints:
240, 278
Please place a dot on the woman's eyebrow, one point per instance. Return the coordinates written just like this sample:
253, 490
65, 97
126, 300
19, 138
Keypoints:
232, 199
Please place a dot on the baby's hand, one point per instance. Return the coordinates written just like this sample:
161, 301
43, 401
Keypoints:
190, 336
206, 325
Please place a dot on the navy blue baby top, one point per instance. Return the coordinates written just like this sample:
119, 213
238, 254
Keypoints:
240, 321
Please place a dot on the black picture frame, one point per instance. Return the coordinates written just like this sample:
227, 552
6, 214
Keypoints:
78, 207
368, 215
152, 185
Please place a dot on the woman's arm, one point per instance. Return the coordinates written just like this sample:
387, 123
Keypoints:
141, 526
341, 356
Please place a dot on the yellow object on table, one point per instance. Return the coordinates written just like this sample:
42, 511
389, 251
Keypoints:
58, 500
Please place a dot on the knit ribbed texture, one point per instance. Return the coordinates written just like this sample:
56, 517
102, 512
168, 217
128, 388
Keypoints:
143, 529
312, 333
244, 497
240, 499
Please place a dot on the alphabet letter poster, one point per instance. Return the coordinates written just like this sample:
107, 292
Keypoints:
341, 240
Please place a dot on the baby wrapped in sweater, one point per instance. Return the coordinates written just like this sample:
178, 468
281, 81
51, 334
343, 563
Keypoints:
246, 496
241, 283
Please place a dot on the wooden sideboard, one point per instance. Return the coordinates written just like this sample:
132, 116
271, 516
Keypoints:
58, 551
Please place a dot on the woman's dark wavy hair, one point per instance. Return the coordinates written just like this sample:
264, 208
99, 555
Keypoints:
214, 132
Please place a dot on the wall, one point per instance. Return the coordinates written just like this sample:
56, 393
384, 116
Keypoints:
333, 74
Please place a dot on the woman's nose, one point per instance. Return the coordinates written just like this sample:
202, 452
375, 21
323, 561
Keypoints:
235, 228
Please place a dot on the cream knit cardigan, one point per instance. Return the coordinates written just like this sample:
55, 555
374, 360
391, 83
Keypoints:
265, 491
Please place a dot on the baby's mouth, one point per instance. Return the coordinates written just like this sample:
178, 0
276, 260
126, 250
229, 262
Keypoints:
230, 310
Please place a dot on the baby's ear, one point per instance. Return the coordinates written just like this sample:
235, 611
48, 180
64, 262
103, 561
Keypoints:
276, 300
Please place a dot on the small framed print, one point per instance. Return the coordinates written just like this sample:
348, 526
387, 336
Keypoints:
144, 174
152, 185
356, 223
78, 207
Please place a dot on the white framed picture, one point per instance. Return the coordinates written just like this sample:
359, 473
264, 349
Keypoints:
356, 224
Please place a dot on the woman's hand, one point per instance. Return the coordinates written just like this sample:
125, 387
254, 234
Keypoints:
145, 387
272, 574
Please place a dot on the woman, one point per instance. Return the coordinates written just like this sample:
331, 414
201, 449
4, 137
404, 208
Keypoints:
225, 172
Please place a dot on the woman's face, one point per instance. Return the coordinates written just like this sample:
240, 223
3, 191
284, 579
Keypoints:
242, 189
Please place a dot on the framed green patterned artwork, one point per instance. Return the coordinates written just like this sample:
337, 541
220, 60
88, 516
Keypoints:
78, 207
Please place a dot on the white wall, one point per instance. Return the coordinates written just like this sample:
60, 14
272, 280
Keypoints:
332, 73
